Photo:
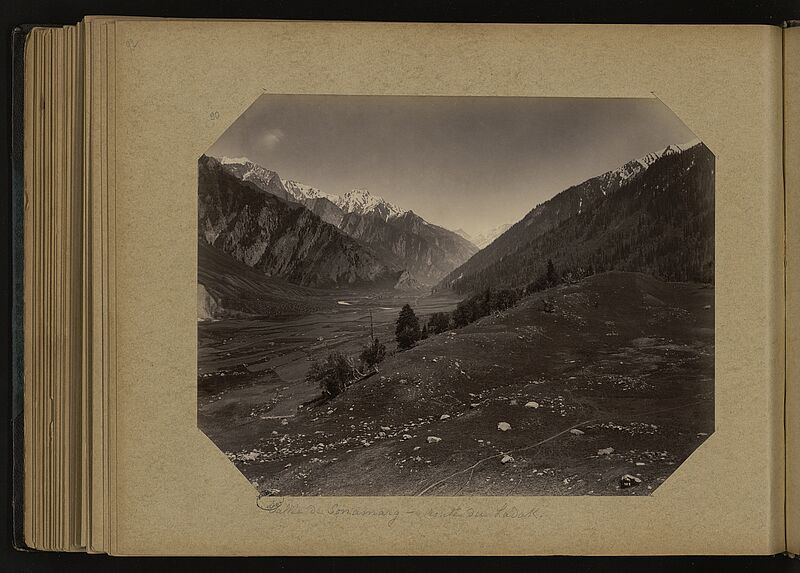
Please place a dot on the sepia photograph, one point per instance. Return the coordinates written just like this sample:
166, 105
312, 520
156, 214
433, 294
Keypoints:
456, 296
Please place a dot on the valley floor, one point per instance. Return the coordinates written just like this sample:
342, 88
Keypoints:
613, 377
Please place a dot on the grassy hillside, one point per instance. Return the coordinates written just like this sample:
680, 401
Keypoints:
613, 376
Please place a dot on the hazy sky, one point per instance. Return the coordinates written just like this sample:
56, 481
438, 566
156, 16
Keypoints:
460, 162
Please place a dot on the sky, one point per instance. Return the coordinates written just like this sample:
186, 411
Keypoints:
470, 163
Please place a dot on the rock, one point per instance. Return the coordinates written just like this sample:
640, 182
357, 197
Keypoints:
629, 481
532, 405
406, 436
707, 307
444, 416
416, 448
474, 405
513, 402
434, 439
385, 428
639, 463
503, 426
605, 451
505, 459
576, 432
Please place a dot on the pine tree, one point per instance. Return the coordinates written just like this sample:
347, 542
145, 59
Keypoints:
407, 328
373, 353
552, 279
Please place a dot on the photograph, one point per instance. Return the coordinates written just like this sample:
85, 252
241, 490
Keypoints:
456, 296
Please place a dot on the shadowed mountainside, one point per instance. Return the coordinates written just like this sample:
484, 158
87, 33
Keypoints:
279, 238
653, 215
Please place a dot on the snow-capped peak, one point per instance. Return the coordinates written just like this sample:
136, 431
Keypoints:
300, 191
671, 149
362, 202
235, 161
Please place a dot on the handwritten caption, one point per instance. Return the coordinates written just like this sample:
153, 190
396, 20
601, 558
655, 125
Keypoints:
389, 514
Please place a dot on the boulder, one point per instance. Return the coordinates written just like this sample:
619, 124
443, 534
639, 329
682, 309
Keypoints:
434, 439
629, 481
444, 416
576, 432
605, 451
532, 405
503, 426
505, 459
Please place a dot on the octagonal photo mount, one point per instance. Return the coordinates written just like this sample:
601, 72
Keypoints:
456, 295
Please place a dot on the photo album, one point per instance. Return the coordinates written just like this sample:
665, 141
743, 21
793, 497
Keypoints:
354, 288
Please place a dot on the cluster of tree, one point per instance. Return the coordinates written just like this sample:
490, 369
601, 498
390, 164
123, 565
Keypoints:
661, 223
334, 374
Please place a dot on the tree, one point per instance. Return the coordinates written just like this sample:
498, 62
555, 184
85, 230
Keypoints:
333, 374
407, 328
552, 278
424, 333
439, 322
373, 353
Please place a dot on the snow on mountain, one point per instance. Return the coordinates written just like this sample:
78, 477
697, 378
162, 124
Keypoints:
671, 149
489, 235
300, 191
263, 178
362, 202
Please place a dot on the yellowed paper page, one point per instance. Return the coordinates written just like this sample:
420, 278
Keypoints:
179, 85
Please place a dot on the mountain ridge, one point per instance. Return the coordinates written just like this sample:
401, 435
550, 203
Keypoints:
514, 247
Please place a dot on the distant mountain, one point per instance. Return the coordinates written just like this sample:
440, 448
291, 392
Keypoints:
244, 169
400, 237
463, 234
362, 202
486, 238
242, 214
425, 250
654, 214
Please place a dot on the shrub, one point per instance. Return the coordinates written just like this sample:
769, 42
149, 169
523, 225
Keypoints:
333, 374
373, 353
439, 322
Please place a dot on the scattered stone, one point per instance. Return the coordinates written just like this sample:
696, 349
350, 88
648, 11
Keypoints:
503, 426
576, 432
506, 458
274, 432
605, 451
474, 405
406, 436
640, 463
707, 307
416, 448
629, 481
513, 402
284, 422
444, 416
532, 405
434, 439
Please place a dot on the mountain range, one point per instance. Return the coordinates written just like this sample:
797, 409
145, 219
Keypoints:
400, 239
654, 214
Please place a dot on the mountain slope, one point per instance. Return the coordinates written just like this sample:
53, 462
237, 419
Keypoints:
427, 251
229, 288
653, 215
277, 237
403, 238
